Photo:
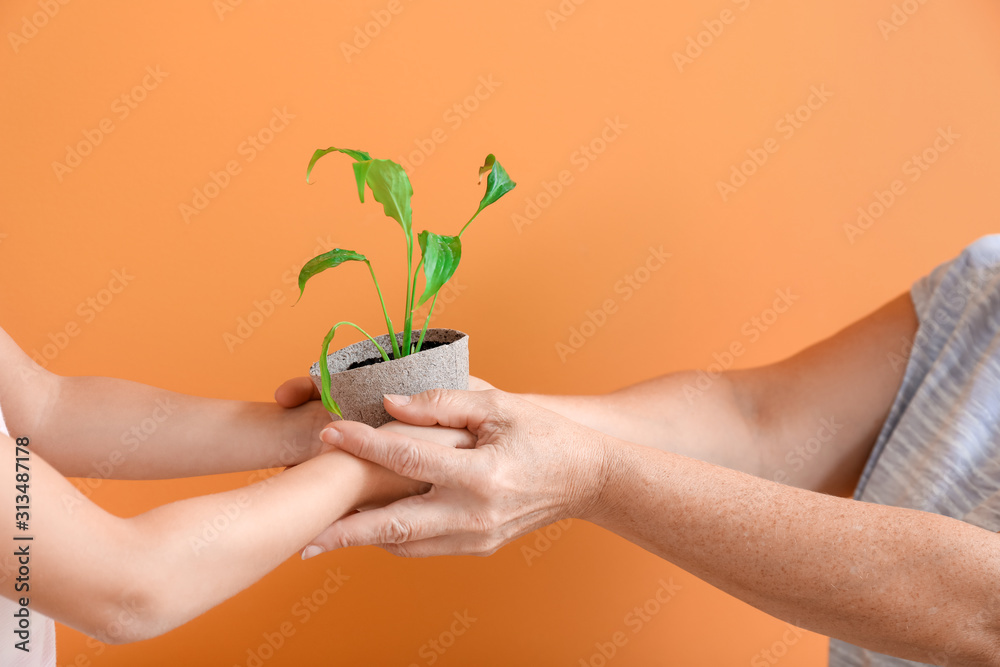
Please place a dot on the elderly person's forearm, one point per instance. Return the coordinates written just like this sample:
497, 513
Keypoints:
899, 581
809, 420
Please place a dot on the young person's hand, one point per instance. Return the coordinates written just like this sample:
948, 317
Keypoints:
295, 392
298, 391
530, 467
384, 485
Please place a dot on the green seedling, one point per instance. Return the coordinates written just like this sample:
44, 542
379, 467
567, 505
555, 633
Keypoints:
439, 254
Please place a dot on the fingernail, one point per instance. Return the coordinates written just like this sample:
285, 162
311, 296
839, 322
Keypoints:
397, 399
310, 551
331, 436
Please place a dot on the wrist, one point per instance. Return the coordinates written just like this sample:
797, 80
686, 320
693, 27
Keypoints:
608, 463
301, 441
353, 476
383, 486
371, 485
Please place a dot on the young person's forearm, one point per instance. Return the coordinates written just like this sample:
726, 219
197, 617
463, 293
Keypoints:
127, 579
207, 549
898, 581
123, 580
126, 430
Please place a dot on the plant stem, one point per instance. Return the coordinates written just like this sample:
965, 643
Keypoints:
426, 322
324, 368
469, 222
420, 341
413, 293
385, 311
408, 321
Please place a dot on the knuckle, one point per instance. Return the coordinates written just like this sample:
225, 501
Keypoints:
493, 484
495, 398
436, 397
367, 441
501, 412
406, 459
484, 521
396, 531
338, 540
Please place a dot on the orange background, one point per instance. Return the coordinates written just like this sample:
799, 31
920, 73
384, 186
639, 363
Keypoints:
521, 289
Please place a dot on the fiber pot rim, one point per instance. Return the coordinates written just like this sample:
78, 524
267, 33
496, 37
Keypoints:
344, 357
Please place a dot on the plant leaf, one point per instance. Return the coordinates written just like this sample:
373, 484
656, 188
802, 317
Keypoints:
324, 372
320, 152
498, 183
441, 257
324, 365
388, 181
391, 187
327, 260
361, 175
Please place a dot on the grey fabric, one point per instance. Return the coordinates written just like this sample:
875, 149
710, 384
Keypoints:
939, 449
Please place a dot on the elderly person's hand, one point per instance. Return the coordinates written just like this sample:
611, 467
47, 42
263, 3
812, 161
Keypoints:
530, 467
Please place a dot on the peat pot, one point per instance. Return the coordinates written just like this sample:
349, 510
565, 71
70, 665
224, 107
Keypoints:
359, 376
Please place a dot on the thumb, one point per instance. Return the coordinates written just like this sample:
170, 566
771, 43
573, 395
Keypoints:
448, 407
295, 392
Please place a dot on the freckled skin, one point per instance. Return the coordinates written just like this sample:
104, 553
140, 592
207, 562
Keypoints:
779, 549
690, 477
